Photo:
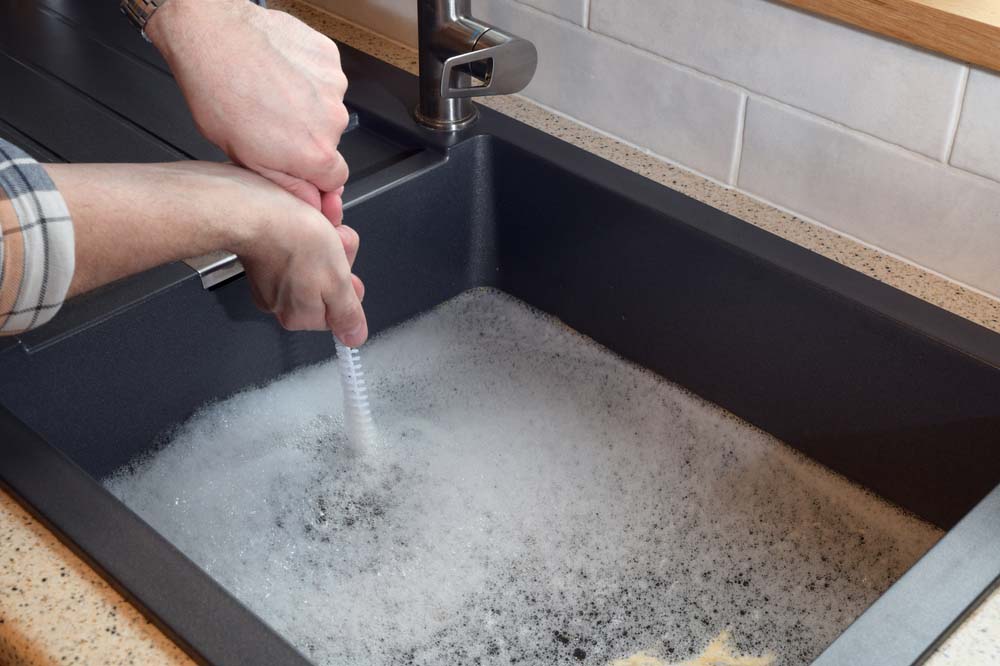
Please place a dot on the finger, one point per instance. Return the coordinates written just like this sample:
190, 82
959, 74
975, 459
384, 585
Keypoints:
349, 237
345, 316
325, 169
302, 189
359, 287
307, 192
333, 205
303, 319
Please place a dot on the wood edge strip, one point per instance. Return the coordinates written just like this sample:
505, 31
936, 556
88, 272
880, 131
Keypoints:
948, 33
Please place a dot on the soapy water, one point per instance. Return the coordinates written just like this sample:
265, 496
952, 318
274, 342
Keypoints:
530, 499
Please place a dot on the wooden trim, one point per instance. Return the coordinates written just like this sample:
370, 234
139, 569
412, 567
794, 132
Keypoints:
967, 30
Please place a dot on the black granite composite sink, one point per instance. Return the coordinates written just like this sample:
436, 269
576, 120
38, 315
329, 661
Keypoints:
883, 388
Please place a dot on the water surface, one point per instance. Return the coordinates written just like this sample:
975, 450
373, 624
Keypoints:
533, 499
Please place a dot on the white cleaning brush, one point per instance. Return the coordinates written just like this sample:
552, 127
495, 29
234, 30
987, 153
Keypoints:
357, 414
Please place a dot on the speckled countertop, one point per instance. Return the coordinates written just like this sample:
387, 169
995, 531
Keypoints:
55, 610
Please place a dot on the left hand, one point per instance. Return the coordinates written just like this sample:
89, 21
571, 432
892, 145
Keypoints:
264, 87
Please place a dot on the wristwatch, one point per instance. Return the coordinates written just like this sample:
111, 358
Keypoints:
138, 12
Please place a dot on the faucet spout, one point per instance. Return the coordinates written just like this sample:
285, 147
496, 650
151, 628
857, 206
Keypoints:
462, 57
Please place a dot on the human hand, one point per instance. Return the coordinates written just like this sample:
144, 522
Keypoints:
298, 264
130, 217
265, 88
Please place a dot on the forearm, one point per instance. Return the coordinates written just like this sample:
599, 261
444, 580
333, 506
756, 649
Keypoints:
195, 19
131, 217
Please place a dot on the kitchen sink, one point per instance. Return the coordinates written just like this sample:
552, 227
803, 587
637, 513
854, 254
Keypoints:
889, 391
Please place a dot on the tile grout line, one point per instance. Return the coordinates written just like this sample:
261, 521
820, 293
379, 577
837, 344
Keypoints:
741, 124
956, 114
626, 142
696, 72
823, 120
692, 70
872, 139
722, 81
835, 124
671, 162
784, 209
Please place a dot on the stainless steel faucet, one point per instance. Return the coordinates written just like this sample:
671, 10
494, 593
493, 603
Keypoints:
463, 57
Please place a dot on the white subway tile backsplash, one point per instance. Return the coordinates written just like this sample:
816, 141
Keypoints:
622, 77
571, 10
396, 19
939, 217
977, 144
670, 110
873, 84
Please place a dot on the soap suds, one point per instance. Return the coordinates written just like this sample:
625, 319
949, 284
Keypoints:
531, 499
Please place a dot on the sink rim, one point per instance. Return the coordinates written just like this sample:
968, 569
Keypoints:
28, 464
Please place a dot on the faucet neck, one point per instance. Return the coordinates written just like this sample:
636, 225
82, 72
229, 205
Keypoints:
444, 10
440, 36
455, 49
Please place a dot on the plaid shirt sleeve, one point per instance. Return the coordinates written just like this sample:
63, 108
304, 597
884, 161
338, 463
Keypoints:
36, 244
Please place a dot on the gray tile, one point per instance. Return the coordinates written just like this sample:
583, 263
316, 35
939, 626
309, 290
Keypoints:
977, 143
936, 216
670, 110
876, 85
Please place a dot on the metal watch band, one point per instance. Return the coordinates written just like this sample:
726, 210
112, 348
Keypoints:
140, 11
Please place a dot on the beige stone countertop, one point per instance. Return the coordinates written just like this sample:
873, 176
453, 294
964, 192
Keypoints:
55, 610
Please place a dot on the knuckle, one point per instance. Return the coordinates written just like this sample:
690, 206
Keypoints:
340, 117
345, 314
324, 154
350, 238
343, 172
341, 274
359, 288
298, 320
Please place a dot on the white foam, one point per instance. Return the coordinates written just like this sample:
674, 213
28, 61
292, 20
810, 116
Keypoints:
533, 499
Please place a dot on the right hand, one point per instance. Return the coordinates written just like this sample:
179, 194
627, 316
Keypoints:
264, 87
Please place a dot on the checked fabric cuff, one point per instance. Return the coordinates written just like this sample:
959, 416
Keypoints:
36, 245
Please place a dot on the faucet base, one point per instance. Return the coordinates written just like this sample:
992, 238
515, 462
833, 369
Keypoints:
440, 125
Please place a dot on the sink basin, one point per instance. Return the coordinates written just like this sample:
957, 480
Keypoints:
887, 390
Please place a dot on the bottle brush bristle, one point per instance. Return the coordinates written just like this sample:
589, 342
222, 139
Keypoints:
358, 423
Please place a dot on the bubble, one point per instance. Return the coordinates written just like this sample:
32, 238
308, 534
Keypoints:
531, 498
